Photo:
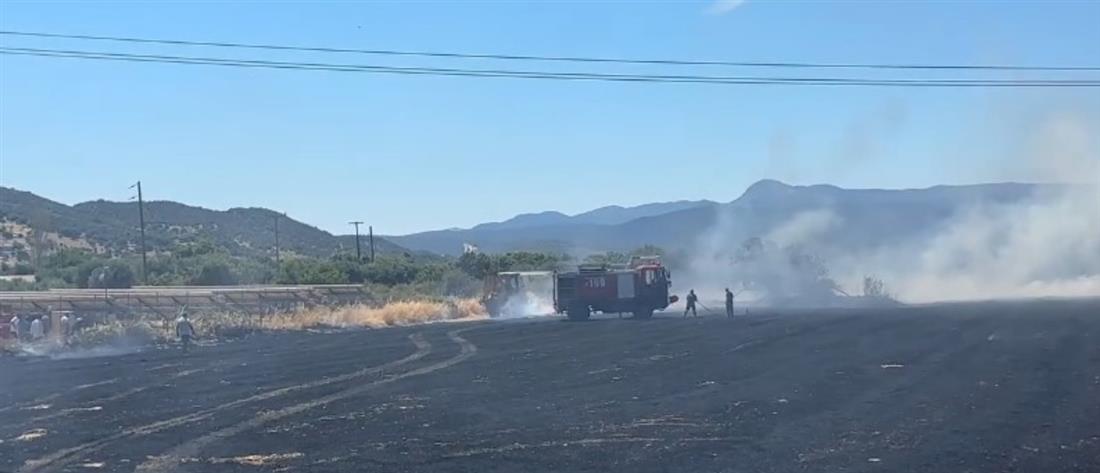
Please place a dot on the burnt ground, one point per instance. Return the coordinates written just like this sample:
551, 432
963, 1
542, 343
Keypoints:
986, 387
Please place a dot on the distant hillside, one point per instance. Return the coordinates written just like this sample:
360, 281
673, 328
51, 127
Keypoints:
868, 216
614, 214
609, 215
113, 226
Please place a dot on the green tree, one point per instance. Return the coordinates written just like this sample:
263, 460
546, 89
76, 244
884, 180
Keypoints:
215, 273
458, 283
608, 258
390, 270
477, 265
311, 271
198, 247
527, 261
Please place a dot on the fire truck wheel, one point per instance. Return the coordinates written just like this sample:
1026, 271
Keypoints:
643, 313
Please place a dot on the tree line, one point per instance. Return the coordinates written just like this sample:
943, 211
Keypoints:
203, 263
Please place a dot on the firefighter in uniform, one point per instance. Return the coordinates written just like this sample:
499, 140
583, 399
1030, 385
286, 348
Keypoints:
692, 299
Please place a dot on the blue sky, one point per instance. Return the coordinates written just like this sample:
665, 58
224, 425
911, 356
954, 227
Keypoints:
417, 153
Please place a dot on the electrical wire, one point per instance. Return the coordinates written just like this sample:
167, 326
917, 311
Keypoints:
575, 59
548, 75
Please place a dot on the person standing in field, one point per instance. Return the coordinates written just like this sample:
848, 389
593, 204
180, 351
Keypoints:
692, 299
66, 329
729, 303
16, 325
184, 331
37, 330
25, 329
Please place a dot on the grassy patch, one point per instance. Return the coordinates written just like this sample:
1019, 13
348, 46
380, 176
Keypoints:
397, 313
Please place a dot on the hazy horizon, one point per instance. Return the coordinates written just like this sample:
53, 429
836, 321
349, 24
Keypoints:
340, 231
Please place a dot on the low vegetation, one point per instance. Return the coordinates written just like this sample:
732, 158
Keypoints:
145, 329
398, 313
204, 264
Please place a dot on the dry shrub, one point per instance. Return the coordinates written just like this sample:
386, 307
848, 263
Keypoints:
469, 308
398, 313
222, 324
115, 332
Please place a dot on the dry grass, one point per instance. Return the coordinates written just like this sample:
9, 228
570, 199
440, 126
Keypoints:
227, 324
393, 314
220, 324
108, 333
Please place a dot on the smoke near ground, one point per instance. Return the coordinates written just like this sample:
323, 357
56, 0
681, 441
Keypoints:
121, 337
106, 339
1049, 246
1044, 245
535, 298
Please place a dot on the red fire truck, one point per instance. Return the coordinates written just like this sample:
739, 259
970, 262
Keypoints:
640, 287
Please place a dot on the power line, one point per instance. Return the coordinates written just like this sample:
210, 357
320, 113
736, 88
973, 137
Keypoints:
575, 59
549, 75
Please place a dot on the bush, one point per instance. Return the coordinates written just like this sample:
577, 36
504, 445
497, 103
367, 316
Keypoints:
22, 269
21, 285
455, 283
390, 270
309, 271
114, 275
215, 273
481, 265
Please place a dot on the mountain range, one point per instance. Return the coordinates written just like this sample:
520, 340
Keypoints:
859, 217
856, 217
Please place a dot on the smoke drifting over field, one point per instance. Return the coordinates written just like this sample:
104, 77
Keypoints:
1049, 246
535, 297
1044, 245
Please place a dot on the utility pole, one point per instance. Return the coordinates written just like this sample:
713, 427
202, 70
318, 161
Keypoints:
370, 238
141, 222
276, 240
358, 255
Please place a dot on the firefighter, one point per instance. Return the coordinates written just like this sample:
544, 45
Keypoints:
25, 328
184, 330
37, 330
17, 328
692, 299
729, 303
66, 329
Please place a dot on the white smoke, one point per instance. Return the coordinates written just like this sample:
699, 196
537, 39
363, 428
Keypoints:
804, 227
57, 351
536, 298
528, 304
1047, 245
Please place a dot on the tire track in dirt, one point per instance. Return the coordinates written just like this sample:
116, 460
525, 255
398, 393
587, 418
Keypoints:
172, 459
62, 458
97, 402
51, 397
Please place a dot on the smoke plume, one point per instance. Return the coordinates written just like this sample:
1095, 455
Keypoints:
1044, 244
